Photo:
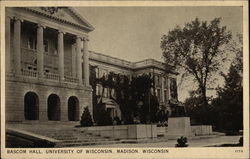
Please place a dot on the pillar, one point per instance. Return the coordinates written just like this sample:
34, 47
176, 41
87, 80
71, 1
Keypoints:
169, 92
162, 89
61, 55
73, 60
17, 46
79, 59
7, 45
40, 51
86, 61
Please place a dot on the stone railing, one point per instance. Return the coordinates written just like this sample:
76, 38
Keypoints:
49, 76
71, 79
52, 76
28, 55
29, 73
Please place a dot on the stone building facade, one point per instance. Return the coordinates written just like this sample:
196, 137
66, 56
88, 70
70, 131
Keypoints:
165, 86
46, 76
47, 66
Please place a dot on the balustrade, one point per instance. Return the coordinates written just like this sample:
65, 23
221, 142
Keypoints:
52, 76
29, 73
71, 79
30, 55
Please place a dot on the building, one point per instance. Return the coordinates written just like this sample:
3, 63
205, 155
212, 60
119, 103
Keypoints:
165, 86
46, 78
47, 66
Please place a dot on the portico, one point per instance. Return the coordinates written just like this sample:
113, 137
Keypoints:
46, 62
81, 56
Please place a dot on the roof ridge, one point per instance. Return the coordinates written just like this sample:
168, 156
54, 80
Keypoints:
80, 17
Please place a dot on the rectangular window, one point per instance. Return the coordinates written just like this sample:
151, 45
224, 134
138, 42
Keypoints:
173, 88
97, 90
159, 94
105, 92
31, 43
166, 82
97, 72
46, 45
165, 95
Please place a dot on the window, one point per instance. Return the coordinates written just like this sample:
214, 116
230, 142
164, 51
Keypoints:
46, 45
166, 82
97, 72
97, 90
173, 88
159, 94
105, 92
165, 95
31, 43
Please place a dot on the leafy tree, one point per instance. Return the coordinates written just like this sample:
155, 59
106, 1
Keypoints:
196, 50
140, 90
86, 119
226, 110
199, 113
103, 117
93, 82
128, 95
229, 103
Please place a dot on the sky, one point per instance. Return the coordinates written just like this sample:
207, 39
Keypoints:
134, 33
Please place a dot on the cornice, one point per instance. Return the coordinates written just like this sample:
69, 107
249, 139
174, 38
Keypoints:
59, 19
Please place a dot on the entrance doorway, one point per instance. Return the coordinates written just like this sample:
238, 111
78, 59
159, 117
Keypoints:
31, 108
73, 109
54, 111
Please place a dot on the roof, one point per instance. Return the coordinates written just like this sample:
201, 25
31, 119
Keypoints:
81, 22
129, 65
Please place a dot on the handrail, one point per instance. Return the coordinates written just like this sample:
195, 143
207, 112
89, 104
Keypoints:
71, 79
51, 76
30, 73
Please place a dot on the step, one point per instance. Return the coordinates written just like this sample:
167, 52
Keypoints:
63, 138
87, 143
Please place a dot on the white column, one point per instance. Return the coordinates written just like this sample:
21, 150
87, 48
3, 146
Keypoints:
61, 55
73, 60
162, 89
169, 92
7, 44
79, 59
40, 51
17, 46
86, 61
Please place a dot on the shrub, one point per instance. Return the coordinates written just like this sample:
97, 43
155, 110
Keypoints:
86, 119
182, 142
117, 121
240, 141
104, 119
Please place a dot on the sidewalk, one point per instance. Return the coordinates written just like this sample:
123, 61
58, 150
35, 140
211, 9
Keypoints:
171, 143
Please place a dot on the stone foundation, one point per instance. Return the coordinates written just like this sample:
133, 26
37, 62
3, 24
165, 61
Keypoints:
17, 87
179, 126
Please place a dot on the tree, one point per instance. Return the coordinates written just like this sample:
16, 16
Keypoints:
93, 82
197, 112
196, 50
103, 117
229, 102
129, 93
86, 119
141, 92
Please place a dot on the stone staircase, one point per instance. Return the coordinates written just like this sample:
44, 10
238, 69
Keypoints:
69, 135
